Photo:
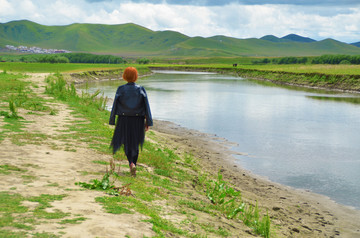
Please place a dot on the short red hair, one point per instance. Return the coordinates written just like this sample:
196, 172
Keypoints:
130, 74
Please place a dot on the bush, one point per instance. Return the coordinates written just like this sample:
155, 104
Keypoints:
345, 62
143, 61
94, 59
53, 59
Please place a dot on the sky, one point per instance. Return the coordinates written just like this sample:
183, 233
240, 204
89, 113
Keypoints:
317, 19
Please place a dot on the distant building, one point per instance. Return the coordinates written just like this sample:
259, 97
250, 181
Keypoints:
35, 50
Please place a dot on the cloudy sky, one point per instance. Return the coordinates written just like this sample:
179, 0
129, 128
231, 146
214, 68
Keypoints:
317, 19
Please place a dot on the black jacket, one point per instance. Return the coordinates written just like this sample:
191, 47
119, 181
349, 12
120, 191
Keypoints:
131, 100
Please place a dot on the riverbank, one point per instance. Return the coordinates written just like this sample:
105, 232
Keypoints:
332, 80
59, 144
295, 213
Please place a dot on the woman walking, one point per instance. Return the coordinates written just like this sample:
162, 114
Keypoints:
131, 104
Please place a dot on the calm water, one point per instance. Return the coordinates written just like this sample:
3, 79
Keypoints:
305, 139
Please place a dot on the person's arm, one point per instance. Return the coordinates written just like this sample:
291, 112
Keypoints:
146, 125
148, 117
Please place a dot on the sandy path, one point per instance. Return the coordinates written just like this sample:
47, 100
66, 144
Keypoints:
55, 172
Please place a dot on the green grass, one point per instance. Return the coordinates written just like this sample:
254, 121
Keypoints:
166, 183
81, 69
8, 169
299, 68
334, 77
15, 215
77, 220
53, 68
14, 94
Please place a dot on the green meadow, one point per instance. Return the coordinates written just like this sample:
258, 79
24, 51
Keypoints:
334, 77
226, 64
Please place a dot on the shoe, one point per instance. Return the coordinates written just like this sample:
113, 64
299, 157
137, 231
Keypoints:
133, 170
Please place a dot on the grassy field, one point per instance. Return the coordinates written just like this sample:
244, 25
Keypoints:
53, 68
335, 77
315, 68
69, 68
293, 68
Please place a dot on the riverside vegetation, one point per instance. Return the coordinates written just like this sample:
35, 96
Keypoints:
164, 177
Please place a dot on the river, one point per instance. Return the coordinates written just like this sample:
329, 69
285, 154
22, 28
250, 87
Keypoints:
306, 139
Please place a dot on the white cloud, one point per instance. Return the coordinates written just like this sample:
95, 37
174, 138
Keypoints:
236, 20
6, 10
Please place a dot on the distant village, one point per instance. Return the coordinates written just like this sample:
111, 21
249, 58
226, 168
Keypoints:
35, 50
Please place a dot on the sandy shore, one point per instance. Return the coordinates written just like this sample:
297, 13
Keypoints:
295, 213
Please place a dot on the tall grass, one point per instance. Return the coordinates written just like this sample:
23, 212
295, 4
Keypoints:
229, 202
58, 87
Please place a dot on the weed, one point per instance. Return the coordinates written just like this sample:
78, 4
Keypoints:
45, 235
77, 220
53, 112
228, 201
44, 202
8, 168
28, 178
101, 162
28, 138
53, 185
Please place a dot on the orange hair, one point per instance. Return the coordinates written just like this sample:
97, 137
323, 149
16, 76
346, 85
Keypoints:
130, 74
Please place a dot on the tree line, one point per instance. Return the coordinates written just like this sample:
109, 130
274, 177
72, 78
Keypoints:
337, 59
95, 59
77, 58
324, 59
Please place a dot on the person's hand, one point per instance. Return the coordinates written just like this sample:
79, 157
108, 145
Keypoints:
146, 127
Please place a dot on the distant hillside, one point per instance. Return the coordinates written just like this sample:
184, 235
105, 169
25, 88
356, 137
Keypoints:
297, 38
356, 44
287, 38
273, 38
134, 40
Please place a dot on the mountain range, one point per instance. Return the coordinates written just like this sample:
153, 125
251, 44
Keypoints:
134, 40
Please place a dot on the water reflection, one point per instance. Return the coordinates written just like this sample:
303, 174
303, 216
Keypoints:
355, 100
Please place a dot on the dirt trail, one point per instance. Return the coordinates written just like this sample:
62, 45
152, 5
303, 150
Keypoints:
55, 164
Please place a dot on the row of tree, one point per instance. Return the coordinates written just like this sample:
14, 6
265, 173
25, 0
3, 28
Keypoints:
53, 59
337, 59
94, 59
283, 60
85, 58
324, 59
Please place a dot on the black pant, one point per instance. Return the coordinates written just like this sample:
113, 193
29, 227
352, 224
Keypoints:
132, 155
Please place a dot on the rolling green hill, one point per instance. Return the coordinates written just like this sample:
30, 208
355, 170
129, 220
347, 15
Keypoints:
134, 40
